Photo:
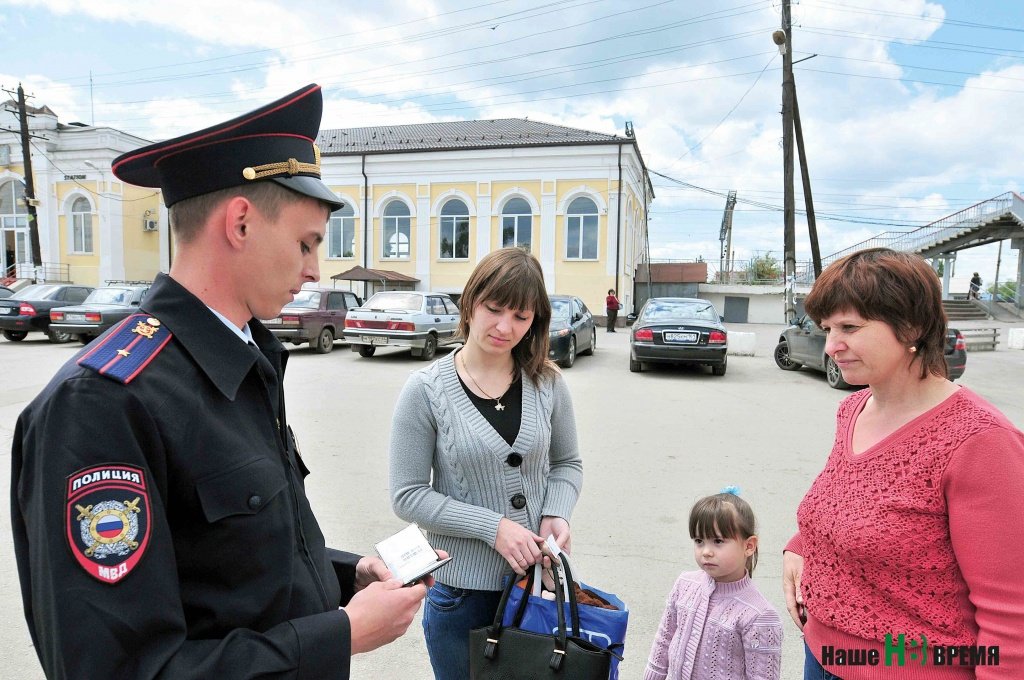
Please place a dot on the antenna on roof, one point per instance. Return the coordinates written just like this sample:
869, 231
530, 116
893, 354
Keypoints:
629, 128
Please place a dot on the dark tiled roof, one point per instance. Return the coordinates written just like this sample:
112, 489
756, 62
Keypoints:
469, 134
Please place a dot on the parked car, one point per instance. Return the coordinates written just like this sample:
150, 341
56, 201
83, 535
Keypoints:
28, 310
678, 331
803, 344
316, 316
5, 292
571, 330
418, 320
102, 309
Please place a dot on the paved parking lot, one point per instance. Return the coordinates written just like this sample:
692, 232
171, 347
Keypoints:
652, 443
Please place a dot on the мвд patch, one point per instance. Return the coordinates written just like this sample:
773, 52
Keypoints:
107, 519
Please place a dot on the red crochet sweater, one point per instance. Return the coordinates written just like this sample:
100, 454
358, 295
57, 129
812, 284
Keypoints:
921, 534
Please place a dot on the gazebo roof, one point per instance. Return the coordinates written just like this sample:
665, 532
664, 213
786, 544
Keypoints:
358, 273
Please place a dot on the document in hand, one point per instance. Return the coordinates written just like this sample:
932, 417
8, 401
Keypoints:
409, 555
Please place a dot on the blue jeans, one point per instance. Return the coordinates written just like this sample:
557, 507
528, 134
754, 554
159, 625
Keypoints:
448, 616
814, 670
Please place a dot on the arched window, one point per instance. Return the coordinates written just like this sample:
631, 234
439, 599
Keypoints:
516, 224
81, 226
454, 231
396, 230
14, 223
581, 230
341, 233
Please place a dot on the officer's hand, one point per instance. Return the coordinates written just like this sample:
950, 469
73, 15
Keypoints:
370, 570
381, 612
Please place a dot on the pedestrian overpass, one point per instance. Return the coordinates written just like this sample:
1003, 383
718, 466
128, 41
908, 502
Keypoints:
987, 222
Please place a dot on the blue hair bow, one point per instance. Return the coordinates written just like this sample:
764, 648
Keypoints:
734, 490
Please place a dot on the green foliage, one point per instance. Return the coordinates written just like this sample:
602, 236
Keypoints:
1007, 290
764, 268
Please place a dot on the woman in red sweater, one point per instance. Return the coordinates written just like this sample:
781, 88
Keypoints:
910, 544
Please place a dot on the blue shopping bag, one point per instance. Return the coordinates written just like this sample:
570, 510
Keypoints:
602, 627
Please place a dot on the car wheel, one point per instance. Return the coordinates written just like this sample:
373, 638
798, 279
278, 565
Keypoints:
593, 343
58, 337
570, 356
15, 336
635, 366
84, 339
719, 369
782, 359
833, 375
325, 341
429, 348
367, 350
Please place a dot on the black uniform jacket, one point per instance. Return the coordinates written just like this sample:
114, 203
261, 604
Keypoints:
229, 576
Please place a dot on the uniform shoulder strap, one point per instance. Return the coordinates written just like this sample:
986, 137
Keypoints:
125, 351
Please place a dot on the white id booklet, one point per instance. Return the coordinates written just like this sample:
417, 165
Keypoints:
409, 555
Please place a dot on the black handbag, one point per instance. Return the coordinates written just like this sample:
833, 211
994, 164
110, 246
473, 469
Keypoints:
498, 652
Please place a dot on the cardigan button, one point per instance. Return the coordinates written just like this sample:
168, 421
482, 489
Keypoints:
255, 501
514, 459
518, 501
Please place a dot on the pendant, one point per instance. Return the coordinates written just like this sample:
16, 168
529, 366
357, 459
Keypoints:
499, 406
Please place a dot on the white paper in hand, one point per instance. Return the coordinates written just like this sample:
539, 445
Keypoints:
409, 555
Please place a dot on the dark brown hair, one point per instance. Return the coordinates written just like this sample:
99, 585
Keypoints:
512, 278
724, 515
897, 288
188, 216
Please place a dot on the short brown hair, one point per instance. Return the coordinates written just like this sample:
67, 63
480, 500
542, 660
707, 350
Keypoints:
724, 515
512, 278
897, 288
188, 216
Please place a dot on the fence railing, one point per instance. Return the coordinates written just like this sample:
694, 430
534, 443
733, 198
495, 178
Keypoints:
980, 339
47, 272
756, 272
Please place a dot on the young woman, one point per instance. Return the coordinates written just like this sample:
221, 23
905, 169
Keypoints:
909, 530
484, 454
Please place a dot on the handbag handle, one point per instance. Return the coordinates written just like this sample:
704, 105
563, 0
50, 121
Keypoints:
494, 633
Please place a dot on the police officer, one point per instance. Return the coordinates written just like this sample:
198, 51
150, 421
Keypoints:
160, 522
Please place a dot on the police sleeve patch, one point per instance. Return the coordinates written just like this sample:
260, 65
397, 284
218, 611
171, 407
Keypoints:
127, 349
107, 519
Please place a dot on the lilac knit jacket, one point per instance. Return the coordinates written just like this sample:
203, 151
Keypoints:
716, 631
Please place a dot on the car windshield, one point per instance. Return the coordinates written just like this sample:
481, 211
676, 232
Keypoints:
306, 299
411, 302
110, 296
560, 308
36, 292
664, 310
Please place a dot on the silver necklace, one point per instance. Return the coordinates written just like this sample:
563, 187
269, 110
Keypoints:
498, 406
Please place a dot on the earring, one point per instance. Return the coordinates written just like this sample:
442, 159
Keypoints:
913, 348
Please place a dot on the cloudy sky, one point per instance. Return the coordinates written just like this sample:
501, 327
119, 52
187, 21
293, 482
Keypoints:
911, 109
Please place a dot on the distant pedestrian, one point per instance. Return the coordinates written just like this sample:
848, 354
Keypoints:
975, 293
612, 307
716, 623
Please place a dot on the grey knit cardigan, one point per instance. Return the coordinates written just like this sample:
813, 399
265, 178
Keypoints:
449, 474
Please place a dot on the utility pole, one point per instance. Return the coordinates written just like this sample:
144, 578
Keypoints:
785, 44
812, 223
30, 191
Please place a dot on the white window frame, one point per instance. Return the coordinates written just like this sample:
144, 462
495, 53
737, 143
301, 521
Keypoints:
80, 222
343, 224
518, 228
451, 224
392, 228
580, 221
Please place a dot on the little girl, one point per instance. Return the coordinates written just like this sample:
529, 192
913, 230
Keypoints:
717, 626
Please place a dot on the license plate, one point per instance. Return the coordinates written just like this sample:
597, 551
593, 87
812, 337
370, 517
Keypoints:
681, 337
74, 317
271, 322
6, 310
373, 340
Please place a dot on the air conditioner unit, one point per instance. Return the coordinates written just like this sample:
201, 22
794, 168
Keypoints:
150, 225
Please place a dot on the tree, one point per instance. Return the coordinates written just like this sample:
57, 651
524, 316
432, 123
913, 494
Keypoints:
764, 268
1007, 291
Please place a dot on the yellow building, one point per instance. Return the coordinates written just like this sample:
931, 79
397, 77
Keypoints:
430, 200
427, 201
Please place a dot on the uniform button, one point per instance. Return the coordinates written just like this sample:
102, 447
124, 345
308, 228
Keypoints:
518, 501
514, 459
255, 501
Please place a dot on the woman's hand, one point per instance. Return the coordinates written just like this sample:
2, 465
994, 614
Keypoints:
792, 572
559, 528
518, 545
